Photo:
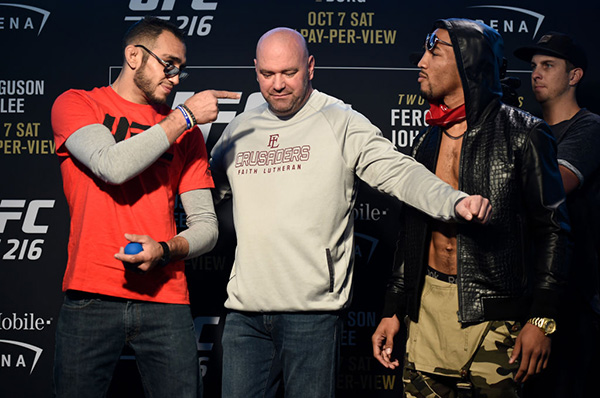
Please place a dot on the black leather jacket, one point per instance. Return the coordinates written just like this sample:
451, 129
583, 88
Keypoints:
514, 267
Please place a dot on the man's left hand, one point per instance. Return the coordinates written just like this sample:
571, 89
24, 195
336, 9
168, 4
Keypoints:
533, 346
474, 208
145, 260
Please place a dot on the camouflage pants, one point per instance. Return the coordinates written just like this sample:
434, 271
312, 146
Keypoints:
483, 372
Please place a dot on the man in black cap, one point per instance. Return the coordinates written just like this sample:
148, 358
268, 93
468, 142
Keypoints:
558, 65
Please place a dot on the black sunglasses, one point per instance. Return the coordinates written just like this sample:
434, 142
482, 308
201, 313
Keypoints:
432, 40
170, 69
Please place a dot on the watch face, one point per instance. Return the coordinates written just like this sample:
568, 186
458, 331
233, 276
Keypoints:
550, 326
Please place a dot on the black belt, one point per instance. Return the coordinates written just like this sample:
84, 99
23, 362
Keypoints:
434, 273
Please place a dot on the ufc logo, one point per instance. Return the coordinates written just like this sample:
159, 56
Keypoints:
28, 225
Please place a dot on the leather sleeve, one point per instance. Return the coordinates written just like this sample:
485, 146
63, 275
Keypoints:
394, 295
547, 219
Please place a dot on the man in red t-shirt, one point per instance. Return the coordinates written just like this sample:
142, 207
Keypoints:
124, 157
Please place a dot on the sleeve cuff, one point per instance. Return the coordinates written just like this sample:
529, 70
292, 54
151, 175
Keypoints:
393, 305
546, 303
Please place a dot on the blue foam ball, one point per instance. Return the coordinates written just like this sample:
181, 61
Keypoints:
133, 248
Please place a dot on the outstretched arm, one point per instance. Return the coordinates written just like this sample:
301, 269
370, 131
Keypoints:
117, 162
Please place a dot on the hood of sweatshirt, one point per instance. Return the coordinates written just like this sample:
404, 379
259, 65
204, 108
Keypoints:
479, 52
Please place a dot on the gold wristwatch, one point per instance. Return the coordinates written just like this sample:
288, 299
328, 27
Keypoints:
547, 325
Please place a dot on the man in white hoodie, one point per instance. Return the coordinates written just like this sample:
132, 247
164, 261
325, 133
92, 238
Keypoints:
291, 166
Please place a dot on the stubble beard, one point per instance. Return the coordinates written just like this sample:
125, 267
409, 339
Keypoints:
289, 108
281, 108
147, 87
427, 94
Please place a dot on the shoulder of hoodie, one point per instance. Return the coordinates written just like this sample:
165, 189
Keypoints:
248, 114
335, 110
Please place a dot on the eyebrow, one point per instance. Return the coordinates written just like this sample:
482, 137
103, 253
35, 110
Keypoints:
173, 59
262, 70
543, 61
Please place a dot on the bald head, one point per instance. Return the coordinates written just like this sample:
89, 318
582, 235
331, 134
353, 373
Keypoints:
284, 70
283, 37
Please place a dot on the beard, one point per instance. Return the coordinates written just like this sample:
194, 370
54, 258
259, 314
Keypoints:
292, 105
427, 94
281, 108
145, 84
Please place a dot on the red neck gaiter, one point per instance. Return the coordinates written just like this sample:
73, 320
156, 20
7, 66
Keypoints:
441, 115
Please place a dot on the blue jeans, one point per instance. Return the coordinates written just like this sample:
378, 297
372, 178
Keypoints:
92, 331
261, 350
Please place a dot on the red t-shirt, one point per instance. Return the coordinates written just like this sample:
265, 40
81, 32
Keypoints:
102, 213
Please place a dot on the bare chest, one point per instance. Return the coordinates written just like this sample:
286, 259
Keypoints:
448, 162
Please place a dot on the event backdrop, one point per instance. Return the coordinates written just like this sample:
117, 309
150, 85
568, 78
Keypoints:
362, 50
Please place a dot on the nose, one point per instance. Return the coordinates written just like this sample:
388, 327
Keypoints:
278, 82
174, 79
423, 61
535, 73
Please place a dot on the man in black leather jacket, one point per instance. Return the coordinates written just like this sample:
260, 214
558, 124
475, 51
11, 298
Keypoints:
480, 300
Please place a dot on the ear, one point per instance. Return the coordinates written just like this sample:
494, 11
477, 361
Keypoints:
133, 56
311, 67
575, 76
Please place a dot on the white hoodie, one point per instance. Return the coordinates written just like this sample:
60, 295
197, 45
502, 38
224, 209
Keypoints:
293, 186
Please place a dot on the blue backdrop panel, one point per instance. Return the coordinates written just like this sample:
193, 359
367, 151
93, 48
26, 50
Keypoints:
362, 50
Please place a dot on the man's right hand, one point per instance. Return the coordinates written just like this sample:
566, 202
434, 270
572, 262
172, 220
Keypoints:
474, 208
204, 105
383, 341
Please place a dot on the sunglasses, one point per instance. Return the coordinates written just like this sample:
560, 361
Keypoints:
170, 69
431, 40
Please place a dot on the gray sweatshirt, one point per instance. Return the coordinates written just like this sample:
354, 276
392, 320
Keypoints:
293, 187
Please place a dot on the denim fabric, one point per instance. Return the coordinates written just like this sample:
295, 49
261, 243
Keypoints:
261, 350
91, 333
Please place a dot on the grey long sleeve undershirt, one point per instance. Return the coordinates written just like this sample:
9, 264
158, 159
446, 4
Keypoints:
116, 163
203, 227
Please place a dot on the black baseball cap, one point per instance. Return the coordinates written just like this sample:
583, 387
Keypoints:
558, 45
